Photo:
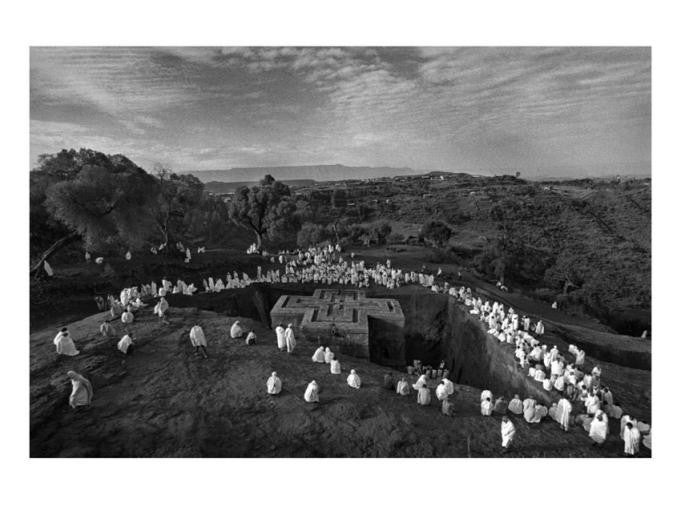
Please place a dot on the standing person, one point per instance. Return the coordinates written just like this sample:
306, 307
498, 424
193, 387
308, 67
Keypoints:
281, 339
81, 393
632, 438
160, 309
507, 432
106, 329
423, 395
290, 339
273, 384
486, 406
563, 413
198, 340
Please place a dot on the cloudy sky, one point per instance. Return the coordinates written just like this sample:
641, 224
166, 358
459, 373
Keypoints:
542, 111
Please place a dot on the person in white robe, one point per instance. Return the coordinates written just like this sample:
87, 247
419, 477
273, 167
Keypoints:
335, 367
547, 384
449, 385
236, 332
107, 329
623, 424
354, 380
507, 432
290, 339
421, 382
632, 439
486, 407
579, 358
312, 393
64, 344
273, 384
598, 430
127, 317
539, 328
515, 405
99, 260
423, 396
403, 387
318, 355
128, 255
592, 404
563, 413
529, 405
198, 340
441, 391
161, 308
125, 345
281, 340
81, 391
328, 355
251, 338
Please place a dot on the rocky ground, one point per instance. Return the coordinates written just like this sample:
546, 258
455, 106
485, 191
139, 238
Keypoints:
164, 400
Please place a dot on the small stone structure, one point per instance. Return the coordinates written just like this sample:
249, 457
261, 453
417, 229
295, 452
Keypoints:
348, 322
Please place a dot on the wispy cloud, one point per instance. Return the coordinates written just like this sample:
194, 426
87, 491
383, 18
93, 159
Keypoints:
425, 107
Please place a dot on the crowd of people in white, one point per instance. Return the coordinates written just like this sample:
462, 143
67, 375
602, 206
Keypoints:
584, 400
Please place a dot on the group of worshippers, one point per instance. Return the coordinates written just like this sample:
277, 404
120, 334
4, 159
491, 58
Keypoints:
236, 331
326, 265
286, 338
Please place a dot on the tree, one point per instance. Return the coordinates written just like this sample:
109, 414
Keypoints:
98, 198
379, 231
178, 196
264, 209
310, 234
436, 233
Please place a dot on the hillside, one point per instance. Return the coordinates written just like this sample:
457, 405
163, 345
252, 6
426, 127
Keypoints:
585, 244
230, 187
165, 401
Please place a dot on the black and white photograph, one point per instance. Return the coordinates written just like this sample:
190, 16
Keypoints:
279, 252
340, 278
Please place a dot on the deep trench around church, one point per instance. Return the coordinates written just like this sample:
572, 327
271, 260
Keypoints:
436, 328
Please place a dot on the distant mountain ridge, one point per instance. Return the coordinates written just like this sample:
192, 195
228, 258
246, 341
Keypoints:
300, 172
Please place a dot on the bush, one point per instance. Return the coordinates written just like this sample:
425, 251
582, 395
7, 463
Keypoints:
310, 234
436, 233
